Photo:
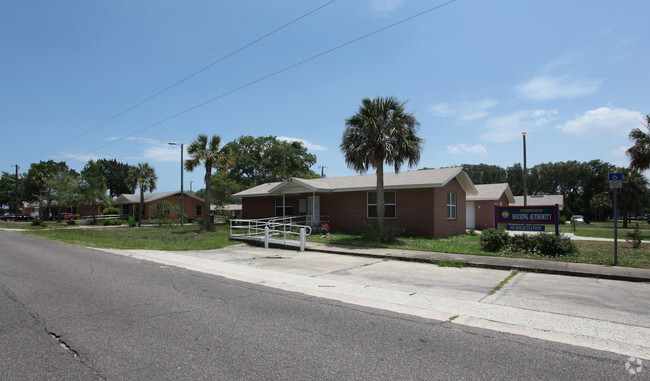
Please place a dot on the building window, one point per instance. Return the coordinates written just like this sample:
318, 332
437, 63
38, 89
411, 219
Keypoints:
451, 206
390, 206
288, 206
199, 210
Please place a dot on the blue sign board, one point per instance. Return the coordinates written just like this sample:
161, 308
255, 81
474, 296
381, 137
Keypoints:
527, 218
617, 176
526, 228
526, 214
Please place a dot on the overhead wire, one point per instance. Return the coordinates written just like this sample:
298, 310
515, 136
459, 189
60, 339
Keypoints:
273, 74
140, 103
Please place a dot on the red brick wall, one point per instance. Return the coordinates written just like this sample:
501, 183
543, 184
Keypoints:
258, 207
189, 207
485, 212
444, 227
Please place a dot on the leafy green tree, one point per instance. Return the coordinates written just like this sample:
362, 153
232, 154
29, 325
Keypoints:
266, 159
144, 177
208, 152
92, 189
600, 204
38, 184
63, 188
485, 173
381, 131
639, 153
515, 178
222, 188
116, 176
8, 191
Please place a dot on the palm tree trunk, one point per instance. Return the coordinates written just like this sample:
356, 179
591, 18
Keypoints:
141, 206
208, 172
380, 197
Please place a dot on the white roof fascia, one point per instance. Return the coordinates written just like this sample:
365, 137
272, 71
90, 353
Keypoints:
464, 180
294, 180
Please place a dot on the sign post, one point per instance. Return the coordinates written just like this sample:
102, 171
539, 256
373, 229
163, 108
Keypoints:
615, 183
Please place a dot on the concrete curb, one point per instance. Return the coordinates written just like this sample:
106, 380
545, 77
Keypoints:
498, 263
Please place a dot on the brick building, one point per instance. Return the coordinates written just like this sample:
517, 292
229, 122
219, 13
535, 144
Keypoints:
426, 202
193, 206
480, 207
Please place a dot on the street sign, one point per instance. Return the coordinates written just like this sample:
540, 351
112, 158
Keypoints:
615, 180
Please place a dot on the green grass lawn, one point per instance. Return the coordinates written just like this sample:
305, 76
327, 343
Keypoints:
601, 253
604, 229
187, 237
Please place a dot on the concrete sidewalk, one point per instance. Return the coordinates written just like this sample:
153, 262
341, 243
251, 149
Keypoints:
532, 265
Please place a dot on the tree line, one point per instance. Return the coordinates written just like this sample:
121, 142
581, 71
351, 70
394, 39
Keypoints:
584, 185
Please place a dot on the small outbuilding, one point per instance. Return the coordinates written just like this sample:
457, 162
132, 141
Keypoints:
480, 207
425, 202
193, 206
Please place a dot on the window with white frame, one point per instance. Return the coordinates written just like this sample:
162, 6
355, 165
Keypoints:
390, 205
288, 206
451, 206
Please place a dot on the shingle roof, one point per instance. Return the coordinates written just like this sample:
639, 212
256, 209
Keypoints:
127, 198
488, 192
430, 178
547, 199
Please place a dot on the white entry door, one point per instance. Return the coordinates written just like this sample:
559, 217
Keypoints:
470, 215
313, 210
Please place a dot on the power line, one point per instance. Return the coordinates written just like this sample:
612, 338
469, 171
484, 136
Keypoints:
186, 78
271, 75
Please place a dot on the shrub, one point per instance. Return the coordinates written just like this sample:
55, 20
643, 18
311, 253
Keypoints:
70, 222
523, 242
323, 228
112, 222
472, 232
391, 232
562, 220
36, 222
43, 224
554, 246
494, 240
634, 237
111, 210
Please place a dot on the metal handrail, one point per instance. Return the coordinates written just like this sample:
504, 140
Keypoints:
278, 226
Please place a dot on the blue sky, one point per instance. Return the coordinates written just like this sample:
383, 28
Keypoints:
573, 74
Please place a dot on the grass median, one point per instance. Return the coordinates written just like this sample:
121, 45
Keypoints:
188, 237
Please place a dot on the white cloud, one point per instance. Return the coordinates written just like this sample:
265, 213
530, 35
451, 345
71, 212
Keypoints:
384, 6
509, 127
544, 88
308, 145
462, 148
463, 110
603, 120
84, 158
152, 149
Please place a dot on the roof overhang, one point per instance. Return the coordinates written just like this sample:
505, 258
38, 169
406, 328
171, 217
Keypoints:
296, 185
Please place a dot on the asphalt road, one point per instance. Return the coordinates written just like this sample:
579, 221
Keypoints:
75, 313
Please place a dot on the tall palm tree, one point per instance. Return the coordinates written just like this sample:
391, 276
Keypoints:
211, 155
381, 132
633, 193
144, 177
639, 153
